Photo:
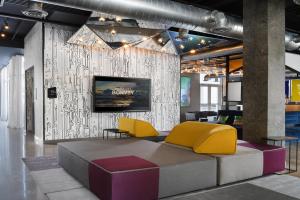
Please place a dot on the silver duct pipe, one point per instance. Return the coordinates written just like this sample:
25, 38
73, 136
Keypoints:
167, 12
161, 11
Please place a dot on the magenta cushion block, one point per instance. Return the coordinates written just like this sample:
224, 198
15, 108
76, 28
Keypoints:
274, 156
124, 178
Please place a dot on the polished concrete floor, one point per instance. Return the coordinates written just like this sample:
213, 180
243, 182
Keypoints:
15, 180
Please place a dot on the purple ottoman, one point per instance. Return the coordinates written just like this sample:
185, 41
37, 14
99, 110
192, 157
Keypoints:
124, 178
274, 156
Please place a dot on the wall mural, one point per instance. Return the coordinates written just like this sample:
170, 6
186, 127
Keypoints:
71, 68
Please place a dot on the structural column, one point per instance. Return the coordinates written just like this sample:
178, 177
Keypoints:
264, 69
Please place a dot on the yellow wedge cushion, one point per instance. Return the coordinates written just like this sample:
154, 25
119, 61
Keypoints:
204, 137
144, 129
127, 124
219, 140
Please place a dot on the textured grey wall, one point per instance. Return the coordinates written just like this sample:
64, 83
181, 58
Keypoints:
33, 56
71, 68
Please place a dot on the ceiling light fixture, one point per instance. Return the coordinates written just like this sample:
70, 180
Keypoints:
124, 41
192, 51
102, 19
160, 40
125, 45
202, 41
181, 46
118, 19
145, 38
113, 32
6, 26
3, 35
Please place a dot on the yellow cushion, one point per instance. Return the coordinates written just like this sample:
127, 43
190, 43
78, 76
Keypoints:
219, 140
144, 129
204, 137
127, 124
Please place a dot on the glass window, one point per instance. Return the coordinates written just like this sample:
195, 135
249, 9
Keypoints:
214, 95
203, 95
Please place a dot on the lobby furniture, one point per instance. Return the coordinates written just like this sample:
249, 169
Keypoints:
289, 140
206, 138
137, 128
181, 170
115, 131
274, 156
245, 164
230, 121
194, 156
124, 178
197, 115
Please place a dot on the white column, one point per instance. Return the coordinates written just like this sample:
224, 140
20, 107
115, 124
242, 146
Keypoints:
16, 105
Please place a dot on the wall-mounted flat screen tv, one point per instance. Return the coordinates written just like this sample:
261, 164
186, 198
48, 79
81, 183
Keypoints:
116, 94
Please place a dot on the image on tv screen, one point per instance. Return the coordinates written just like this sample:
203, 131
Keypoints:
121, 94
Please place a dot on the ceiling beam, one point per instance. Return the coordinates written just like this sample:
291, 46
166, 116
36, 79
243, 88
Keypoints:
25, 18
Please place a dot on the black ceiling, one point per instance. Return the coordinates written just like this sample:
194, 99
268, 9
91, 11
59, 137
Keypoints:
11, 12
235, 8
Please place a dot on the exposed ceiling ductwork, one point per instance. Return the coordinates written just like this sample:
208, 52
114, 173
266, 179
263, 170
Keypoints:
297, 2
170, 13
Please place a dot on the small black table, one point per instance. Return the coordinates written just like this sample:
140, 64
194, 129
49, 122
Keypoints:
289, 140
114, 131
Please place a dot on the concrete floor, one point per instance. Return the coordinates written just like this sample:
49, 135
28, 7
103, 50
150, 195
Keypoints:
15, 181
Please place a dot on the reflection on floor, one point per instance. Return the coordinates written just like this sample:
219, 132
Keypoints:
15, 181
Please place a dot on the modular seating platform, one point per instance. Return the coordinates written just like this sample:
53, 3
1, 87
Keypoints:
180, 170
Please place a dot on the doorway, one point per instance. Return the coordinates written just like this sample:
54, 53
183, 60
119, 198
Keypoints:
29, 86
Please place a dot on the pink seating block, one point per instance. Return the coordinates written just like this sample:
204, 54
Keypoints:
274, 156
124, 178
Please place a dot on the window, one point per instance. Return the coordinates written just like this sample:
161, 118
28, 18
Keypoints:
210, 94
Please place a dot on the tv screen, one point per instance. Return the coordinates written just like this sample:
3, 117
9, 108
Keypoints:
121, 94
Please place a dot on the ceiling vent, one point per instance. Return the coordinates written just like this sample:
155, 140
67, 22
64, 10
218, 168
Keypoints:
35, 10
297, 2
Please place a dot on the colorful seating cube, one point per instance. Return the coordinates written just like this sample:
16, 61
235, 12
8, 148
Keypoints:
124, 178
274, 156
